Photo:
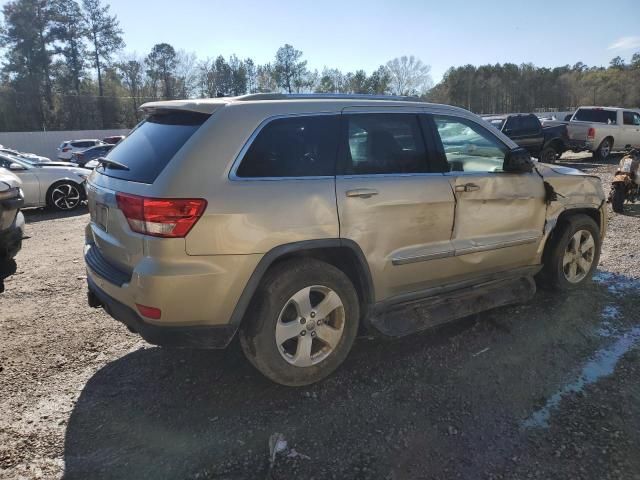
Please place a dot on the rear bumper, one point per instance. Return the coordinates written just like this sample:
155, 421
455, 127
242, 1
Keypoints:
167, 336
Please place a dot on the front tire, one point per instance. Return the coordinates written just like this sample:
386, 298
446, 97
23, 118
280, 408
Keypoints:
548, 155
617, 198
571, 259
64, 196
302, 322
604, 150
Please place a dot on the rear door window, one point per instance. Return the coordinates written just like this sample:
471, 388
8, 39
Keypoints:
383, 144
596, 115
302, 146
149, 148
630, 118
530, 124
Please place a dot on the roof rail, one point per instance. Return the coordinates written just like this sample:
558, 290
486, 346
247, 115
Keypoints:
326, 96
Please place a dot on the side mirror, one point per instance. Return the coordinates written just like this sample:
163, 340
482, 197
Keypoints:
518, 160
16, 166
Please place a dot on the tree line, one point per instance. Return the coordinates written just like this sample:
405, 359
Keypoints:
65, 67
526, 88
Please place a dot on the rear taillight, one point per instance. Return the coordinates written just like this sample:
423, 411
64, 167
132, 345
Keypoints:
66, 149
161, 217
591, 134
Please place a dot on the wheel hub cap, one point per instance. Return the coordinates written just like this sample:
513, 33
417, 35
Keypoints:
579, 256
65, 197
310, 326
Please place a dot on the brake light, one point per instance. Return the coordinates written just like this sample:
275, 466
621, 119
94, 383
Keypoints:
591, 134
161, 217
149, 312
66, 149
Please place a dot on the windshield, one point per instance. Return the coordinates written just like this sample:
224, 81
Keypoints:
151, 145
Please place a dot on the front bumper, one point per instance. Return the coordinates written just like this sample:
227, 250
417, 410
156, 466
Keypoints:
166, 336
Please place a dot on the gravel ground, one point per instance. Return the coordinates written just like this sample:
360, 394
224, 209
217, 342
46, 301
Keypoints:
546, 390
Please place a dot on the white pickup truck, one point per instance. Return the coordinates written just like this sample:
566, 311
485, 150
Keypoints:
602, 130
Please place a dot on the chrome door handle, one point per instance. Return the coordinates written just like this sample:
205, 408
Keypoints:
362, 192
467, 187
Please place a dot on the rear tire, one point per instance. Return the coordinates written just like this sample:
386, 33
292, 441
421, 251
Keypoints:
65, 196
573, 255
548, 155
302, 322
604, 150
617, 198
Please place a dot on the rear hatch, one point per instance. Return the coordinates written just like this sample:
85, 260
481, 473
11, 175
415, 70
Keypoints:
118, 185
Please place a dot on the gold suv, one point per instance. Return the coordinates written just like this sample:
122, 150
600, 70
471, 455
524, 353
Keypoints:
296, 220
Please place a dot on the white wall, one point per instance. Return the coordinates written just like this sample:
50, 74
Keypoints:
45, 143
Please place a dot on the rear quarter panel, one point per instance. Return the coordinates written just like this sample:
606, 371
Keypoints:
246, 216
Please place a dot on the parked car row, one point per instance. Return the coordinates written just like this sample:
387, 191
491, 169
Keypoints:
600, 130
55, 184
68, 148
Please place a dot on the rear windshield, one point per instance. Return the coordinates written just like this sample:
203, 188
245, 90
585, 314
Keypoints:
596, 115
152, 144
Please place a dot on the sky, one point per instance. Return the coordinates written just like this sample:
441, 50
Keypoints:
357, 34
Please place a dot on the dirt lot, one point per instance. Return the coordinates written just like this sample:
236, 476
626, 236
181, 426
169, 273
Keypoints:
546, 390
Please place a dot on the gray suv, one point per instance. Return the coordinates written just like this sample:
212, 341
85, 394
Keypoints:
297, 220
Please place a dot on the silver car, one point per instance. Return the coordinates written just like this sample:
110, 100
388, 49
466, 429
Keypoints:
55, 185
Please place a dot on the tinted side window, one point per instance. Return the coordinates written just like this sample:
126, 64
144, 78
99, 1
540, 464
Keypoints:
596, 115
530, 123
513, 124
293, 147
628, 118
383, 144
468, 146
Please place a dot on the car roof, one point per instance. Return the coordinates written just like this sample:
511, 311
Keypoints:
84, 140
318, 102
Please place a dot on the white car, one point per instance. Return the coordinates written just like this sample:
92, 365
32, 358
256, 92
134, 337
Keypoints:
27, 156
69, 147
55, 185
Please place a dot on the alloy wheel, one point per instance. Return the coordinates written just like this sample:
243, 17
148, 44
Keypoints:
310, 326
65, 196
578, 256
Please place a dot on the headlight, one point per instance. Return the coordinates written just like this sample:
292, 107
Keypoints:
11, 193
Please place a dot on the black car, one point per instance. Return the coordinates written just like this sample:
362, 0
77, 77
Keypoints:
544, 143
81, 158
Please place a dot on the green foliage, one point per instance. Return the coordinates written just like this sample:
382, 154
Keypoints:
64, 69
526, 88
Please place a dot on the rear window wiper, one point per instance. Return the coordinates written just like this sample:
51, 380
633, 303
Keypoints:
112, 163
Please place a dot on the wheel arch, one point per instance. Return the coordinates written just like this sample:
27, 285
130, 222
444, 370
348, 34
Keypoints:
344, 254
61, 181
608, 137
563, 218
556, 144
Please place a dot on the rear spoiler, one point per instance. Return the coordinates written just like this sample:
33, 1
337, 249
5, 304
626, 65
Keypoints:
207, 106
